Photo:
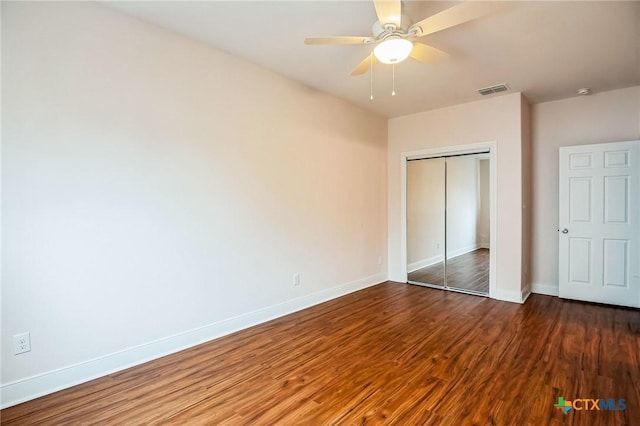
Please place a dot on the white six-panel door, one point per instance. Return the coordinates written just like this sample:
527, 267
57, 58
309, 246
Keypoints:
599, 227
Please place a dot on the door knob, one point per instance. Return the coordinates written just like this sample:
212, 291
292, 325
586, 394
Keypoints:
565, 231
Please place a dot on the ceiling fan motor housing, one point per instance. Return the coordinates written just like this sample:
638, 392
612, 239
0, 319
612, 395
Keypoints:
382, 31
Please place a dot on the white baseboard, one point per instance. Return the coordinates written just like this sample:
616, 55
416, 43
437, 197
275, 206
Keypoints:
510, 295
463, 250
424, 263
547, 289
33, 387
411, 267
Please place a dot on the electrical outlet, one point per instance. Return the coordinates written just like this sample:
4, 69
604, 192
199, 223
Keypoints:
379, 260
296, 279
21, 343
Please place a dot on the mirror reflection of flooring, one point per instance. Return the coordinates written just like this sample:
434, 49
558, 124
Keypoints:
433, 275
469, 271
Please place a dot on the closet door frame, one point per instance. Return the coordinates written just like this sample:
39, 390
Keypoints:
476, 148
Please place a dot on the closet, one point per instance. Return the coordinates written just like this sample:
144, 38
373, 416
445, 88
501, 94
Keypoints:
448, 220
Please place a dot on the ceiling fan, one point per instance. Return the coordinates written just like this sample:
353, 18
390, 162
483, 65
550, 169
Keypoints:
396, 38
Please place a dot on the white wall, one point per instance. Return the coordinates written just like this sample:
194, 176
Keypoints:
525, 128
153, 186
497, 119
602, 117
484, 236
425, 212
462, 205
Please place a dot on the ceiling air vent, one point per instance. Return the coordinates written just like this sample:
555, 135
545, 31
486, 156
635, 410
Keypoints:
493, 89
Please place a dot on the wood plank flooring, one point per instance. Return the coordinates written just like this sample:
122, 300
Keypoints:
390, 354
433, 274
469, 271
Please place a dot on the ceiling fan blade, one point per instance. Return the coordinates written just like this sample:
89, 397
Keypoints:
451, 17
338, 40
365, 65
427, 54
389, 11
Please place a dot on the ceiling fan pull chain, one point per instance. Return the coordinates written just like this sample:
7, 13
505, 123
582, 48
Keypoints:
371, 74
393, 74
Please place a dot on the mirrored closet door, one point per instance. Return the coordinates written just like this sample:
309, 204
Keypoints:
426, 221
448, 222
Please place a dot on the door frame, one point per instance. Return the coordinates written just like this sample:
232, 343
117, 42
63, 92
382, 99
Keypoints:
474, 148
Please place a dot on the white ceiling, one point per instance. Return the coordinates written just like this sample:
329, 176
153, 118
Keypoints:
547, 50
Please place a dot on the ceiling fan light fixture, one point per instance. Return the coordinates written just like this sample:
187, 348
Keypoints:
393, 50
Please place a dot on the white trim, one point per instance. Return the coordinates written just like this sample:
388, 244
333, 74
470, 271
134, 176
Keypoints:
492, 147
424, 263
493, 217
510, 296
463, 250
546, 289
33, 387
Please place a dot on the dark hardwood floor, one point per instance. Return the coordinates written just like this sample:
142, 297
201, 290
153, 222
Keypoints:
390, 354
469, 271
433, 275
